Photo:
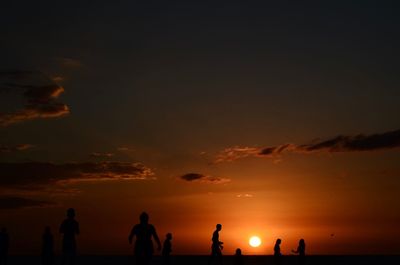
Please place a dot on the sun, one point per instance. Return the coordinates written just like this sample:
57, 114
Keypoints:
254, 241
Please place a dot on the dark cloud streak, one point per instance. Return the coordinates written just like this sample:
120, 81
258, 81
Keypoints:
196, 177
35, 175
341, 143
40, 94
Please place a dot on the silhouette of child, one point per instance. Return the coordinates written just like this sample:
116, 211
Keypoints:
238, 258
216, 246
277, 252
69, 228
4, 245
167, 249
47, 247
301, 250
144, 231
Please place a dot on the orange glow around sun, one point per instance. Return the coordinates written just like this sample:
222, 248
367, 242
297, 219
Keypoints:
254, 241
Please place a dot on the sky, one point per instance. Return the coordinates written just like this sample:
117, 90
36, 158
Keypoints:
274, 118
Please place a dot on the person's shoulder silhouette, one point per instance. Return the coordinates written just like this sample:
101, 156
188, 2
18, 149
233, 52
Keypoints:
143, 231
70, 227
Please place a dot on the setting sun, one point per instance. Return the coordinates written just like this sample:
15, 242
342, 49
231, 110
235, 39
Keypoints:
254, 241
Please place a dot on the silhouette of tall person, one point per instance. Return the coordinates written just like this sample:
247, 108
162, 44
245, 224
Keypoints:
216, 246
47, 247
301, 250
277, 252
167, 249
69, 228
4, 245
144, 232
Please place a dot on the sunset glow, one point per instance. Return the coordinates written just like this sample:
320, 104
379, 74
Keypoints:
275, 119
254, 241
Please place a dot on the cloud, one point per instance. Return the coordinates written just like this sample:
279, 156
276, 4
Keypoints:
11, 202
35, 175
70, 63
58, 78
19, 147
101, 155
341, 143
39, 92
235, 153
124, 149
245, 195
196, 177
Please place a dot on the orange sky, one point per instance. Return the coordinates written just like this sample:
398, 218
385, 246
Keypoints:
274, 119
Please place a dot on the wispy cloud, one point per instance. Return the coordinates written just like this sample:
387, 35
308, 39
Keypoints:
101, 155
36, 175
39, 92
124, 149
70, 62
341, 143
245, 195
196, 177
19, 147
235, 153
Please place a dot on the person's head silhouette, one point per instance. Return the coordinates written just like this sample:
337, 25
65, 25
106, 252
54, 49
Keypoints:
278, 241
302, 242
144, 218
219, 227
238, 252
71, 213
168, 236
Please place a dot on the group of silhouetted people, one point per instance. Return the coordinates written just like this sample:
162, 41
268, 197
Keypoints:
217, 246
301, 250
144, 233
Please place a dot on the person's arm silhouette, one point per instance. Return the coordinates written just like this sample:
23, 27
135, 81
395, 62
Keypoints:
132, 235
156, 239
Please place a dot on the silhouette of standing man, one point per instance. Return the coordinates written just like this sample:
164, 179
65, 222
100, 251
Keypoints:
144, 231
70, 228
4, 245
216, 246
47, 247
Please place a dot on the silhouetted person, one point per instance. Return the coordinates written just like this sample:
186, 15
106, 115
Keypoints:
69, 228
238, 258
301, 250
216, 246
47, 247
143, 232
4, 245
167, 249
277, 252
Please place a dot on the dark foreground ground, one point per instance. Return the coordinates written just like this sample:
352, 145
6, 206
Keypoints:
228, 260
